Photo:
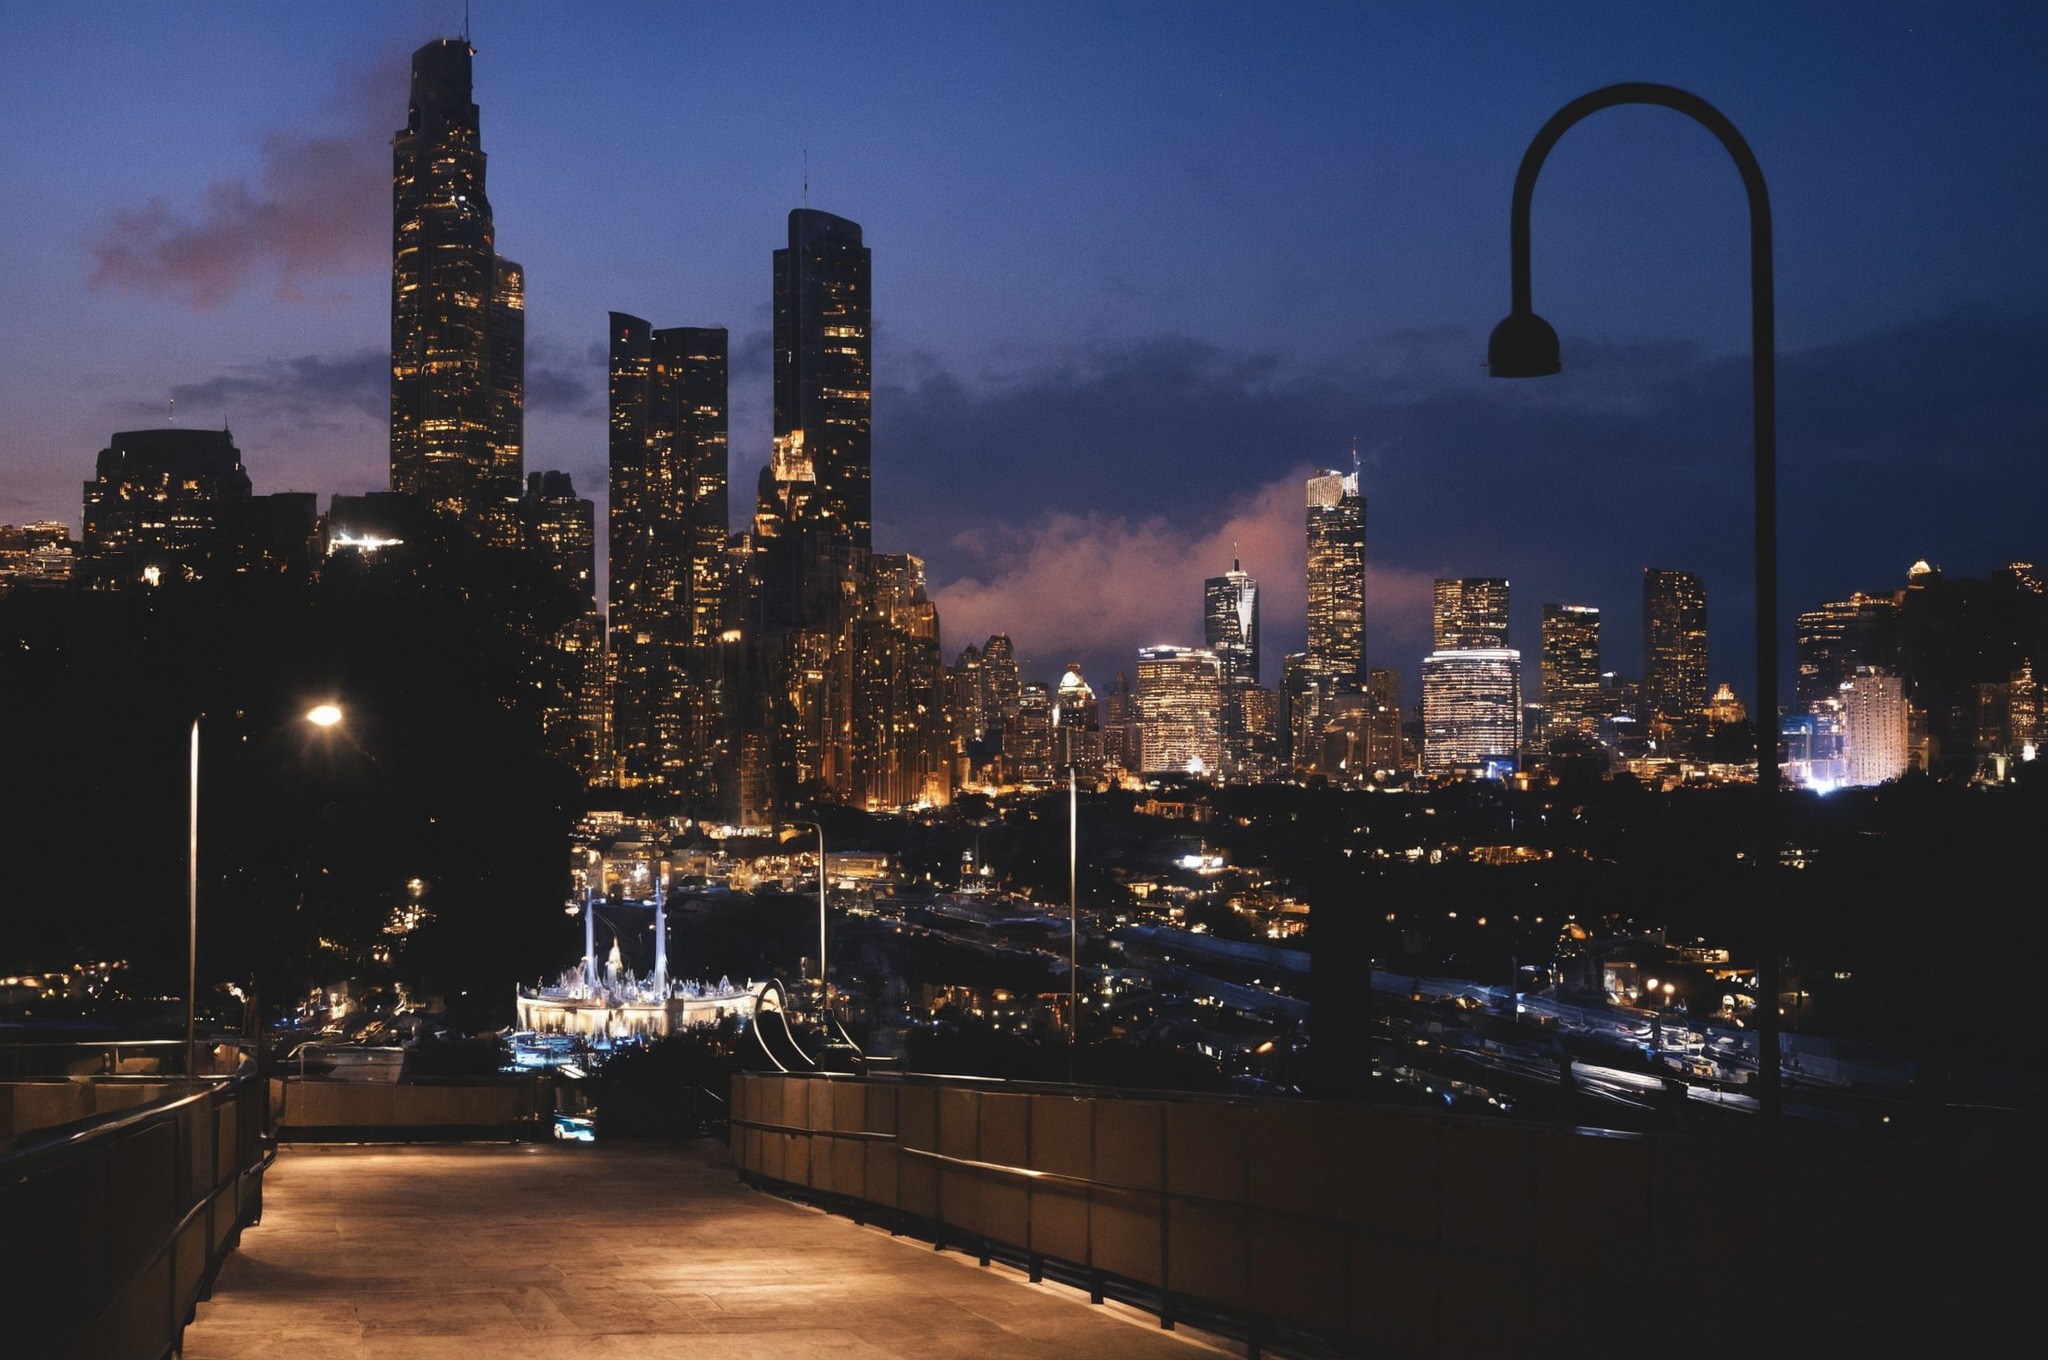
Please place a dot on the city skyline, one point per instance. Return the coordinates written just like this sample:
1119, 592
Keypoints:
1055, 402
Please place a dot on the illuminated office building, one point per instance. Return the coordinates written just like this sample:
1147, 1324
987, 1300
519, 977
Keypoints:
162, 507
1027, 748
1571, 667
458, 310
561, 529
897, 715
1471, 613
1076, 725
1336, 577
1230, 629
1335, 660
668, 462
823, 367
1119, 725
1180, 703
1875, 728
1386, 747
1674, 645
1230, 624
1830, 642
667, 553
1471, 710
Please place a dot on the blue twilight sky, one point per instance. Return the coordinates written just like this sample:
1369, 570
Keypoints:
1138, 269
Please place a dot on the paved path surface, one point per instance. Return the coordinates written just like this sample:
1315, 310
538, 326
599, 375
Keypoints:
647, 1251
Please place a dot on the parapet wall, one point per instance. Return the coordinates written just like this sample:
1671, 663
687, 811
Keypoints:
1387, 1231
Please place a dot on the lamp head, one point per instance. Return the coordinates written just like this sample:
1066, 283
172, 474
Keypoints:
1523, 346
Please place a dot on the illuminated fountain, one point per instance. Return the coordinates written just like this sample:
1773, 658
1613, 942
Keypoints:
611, 1003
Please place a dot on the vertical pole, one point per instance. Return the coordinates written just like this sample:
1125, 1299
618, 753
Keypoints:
1073, 926
192, 911
824, 993
660, 928
590, 929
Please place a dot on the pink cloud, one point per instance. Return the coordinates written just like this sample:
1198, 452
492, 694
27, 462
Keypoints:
317, 212
1094, 585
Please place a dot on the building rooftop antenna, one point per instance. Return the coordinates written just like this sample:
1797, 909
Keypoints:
807, 177
171, 412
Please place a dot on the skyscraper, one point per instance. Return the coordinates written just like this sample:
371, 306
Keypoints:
1832, 641
668, 476
1571, 667
1230, 629
1335, 660
160, 505
458, 310
1336, 577
1471, 710
823, 367
1076, 726
1471, 613
1674, 645
666, 565
1180, 695
1230, 624
1874, 719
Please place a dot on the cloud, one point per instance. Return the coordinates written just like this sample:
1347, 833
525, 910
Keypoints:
312, 223
312, 388
1079, 502
560, 389
1095, 587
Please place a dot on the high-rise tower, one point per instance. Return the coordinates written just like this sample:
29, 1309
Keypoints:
1471, 613
1230, 629
823, 367
1336, 577
667, 547
1674, 644
1230, 624
458, 310
1571, 666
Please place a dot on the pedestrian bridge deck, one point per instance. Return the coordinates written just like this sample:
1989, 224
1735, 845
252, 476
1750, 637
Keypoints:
498, 1252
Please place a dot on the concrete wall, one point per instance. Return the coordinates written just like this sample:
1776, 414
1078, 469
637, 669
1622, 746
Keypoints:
1398, 1232
27, 1106
310, 1110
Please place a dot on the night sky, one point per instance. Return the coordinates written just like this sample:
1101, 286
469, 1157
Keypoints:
1138, 269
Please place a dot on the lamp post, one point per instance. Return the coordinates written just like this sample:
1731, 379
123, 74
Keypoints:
323, 715
192, 909
1073, 925
1525, 346
819, 828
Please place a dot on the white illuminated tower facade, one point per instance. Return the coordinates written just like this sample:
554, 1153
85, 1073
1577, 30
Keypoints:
1876, 737
1180, 702
1471, 711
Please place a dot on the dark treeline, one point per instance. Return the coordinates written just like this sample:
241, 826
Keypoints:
309, 838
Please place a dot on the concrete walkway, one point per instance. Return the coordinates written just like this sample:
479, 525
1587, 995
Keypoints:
649, 1251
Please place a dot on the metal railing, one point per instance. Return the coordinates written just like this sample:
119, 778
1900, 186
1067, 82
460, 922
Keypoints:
114, 1224
1316, 1229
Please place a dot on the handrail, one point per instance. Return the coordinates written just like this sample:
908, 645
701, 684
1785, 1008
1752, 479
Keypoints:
77, 1133
124, 1280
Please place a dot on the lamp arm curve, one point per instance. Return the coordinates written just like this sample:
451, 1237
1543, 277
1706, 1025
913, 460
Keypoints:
1637, 92
1763, 332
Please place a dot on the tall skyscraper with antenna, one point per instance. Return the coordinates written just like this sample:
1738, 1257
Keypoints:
458, 310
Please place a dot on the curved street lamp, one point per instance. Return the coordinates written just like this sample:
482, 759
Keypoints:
321, 715
1525, 346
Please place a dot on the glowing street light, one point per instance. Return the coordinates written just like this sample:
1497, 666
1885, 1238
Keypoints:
1525, 346
323, 716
